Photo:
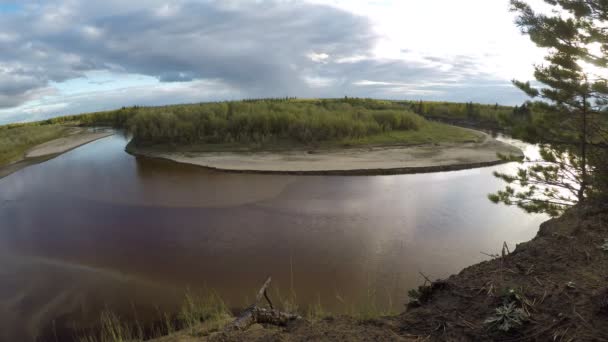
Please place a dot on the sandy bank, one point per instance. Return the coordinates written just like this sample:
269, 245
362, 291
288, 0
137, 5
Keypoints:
352, 161
52, 149
65, 144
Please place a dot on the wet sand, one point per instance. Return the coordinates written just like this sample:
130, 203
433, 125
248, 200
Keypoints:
351, 161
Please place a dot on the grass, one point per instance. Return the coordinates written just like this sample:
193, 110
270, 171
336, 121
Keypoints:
16, 140
196, 309
198, 314
201, 315
428, 133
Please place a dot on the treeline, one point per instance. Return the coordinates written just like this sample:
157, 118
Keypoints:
484, 115
302, 120
115, 118
261, 121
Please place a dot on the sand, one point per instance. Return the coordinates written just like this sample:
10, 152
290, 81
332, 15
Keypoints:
52, 149
372, 160
65, 144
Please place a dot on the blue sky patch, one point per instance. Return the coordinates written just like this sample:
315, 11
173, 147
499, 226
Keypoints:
9, 7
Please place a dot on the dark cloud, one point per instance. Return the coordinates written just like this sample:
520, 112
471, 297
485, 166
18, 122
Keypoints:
260, 48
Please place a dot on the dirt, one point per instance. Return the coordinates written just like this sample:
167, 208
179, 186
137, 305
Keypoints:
348, 161
559, 279
329, 329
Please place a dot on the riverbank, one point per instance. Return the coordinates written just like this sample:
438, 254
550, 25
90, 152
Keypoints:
73, 138
555, 284
372, 160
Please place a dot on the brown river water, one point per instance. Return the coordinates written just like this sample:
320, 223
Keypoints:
98, 229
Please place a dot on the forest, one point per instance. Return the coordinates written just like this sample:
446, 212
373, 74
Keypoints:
303, 121
268, 121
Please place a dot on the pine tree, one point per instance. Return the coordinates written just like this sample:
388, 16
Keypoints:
570, 119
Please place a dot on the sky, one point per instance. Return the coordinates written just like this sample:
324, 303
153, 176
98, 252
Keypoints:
61, 57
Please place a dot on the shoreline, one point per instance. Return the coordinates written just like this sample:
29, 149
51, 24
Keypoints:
377, 160
52, 149
568, 300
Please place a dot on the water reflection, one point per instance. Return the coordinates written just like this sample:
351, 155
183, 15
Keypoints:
97, 225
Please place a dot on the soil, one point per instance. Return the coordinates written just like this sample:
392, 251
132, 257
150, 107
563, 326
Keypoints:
560, 279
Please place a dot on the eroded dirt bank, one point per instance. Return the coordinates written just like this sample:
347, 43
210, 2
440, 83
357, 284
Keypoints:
348, 161
557, 283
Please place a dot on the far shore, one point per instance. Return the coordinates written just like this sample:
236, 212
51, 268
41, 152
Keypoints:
376, 160
52, 149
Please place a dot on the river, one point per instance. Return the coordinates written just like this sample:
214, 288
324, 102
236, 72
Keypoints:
98, 229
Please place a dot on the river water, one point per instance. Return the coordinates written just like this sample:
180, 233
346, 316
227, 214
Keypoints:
98, 229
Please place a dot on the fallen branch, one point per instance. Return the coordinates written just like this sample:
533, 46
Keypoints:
255, 314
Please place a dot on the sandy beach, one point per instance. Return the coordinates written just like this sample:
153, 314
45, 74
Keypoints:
351, 161
53, 148
65, 144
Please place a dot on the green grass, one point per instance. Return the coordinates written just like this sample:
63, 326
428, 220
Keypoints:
204, 313
198, 314
197, 309
16, 140
428, 133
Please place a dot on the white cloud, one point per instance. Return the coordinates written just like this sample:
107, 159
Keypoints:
167, 10
318, 82
92, 32
318, 57
89, 55
481, 29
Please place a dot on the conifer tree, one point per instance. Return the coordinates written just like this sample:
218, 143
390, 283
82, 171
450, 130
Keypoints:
569, 118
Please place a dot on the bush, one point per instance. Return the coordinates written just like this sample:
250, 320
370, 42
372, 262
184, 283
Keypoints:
263, 121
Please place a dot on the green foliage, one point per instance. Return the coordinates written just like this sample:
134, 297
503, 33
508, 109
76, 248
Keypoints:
273, 122
115, 118
316, 312
265, 121
492, 116
414, 297
507, 317
15, 140
549, 186
570, 122
197, 309
114, 329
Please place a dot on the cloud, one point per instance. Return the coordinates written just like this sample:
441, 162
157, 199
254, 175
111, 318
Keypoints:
251, 49
95, 100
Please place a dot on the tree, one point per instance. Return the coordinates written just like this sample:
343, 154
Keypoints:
569, 119
472, 111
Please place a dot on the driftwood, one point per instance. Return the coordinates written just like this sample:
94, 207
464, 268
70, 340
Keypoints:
255, 314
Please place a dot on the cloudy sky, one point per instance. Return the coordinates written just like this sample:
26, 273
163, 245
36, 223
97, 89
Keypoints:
70, 56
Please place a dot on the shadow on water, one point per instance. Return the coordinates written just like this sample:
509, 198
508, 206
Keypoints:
97, 228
